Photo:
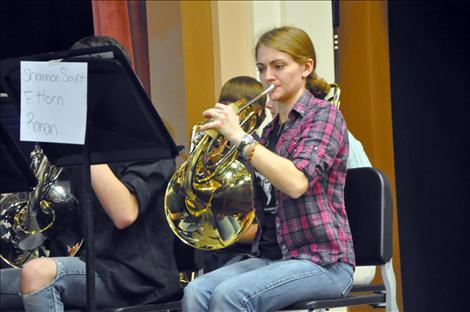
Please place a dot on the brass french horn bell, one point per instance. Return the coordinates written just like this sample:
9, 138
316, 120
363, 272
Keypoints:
208, 199
41, 223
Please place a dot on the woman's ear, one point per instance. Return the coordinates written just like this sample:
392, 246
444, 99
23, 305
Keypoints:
308, 68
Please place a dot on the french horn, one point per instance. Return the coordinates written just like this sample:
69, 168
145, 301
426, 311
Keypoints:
208, 199
40, 223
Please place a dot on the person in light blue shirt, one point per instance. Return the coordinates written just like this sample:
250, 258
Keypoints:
357, 156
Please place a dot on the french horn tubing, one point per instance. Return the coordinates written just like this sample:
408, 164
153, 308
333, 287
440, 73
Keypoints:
208, 199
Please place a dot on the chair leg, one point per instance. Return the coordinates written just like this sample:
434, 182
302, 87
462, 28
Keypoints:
390, 283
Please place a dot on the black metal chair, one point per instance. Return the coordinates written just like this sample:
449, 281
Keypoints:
157, 307
369, 206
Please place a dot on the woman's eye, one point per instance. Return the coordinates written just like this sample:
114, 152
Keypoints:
279, 66
260, 69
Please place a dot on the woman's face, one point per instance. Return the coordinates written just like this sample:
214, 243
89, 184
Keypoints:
280, 69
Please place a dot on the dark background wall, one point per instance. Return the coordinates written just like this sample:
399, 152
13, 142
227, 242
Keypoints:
39, 26
430, 86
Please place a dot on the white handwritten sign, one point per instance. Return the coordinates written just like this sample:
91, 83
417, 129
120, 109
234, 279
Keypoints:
53, 102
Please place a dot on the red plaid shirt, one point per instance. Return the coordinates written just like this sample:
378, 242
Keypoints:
314, 226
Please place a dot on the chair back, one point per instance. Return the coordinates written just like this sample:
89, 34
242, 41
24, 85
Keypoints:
369, 207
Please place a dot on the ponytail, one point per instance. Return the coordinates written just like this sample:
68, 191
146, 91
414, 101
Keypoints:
317, 86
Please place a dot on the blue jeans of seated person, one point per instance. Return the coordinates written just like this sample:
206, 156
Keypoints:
258, 284
68, 287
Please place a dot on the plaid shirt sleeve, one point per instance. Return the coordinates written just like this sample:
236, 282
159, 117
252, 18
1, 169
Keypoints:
321, 139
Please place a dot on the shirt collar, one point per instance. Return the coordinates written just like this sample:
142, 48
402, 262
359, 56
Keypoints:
301, 107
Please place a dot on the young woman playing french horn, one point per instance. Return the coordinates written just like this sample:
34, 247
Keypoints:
303, 242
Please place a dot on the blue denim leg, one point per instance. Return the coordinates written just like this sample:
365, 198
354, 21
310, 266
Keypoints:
10, 298
198, 293
69, 288
278, 284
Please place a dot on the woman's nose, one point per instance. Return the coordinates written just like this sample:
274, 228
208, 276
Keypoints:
268, 74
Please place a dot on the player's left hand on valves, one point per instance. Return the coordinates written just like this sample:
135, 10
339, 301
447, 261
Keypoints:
223, 118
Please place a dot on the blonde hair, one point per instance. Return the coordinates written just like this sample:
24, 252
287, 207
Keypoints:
296, 42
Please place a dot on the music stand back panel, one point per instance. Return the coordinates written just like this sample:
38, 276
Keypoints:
122, 123
15, 174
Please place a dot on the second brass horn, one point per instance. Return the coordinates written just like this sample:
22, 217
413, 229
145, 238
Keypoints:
208, 199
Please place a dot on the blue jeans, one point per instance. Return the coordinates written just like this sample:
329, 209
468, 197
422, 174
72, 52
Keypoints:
68, 287
258, 284
10, 298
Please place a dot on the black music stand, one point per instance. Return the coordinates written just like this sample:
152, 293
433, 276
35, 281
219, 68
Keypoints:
15, 174
122, 125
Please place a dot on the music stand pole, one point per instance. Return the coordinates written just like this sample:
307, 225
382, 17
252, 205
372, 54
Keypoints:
88, 224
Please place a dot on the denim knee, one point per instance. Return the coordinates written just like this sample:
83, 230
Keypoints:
195, 297
190, 290
195, 288
226, 298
